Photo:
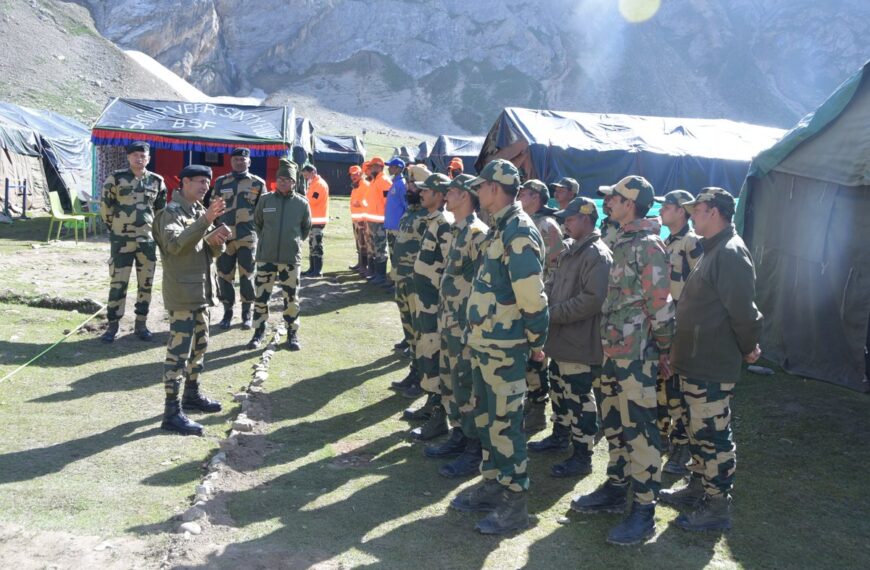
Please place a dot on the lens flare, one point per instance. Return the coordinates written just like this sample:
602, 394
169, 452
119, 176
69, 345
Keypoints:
637, 11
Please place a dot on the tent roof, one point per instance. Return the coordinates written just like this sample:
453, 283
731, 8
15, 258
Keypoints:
182, 125
335, 147
27, 131
449, 146
304, 135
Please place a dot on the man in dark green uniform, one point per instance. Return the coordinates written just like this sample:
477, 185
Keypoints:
130, 199
189, 283
241, 191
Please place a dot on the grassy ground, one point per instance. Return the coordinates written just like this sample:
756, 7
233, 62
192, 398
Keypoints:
342, 486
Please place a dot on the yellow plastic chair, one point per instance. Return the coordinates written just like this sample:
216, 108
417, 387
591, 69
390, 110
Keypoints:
59, 216
91, 217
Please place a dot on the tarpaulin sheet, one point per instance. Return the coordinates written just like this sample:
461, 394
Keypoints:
599, 149
33, 131
207, 127
447, 147
345, 149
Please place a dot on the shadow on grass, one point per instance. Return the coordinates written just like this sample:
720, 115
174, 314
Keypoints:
334, 292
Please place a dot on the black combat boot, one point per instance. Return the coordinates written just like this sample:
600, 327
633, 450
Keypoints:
424, 412
409, 379
413, 391
638, 526
292, 340
366, 263
480, 498
608, 498
310, 271
140, 329
688, 497
467, 464
436, 425
511, 513
559, 440
247, 317
380, 273
258, 338
401, 345
580, 463
175, 420
454, 445
111, 332
227, 319
317, 267
359, 262
194, 401
534, 416
678, 460
713, 513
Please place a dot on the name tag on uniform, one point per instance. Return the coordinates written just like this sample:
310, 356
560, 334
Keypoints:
267, 210
226, 190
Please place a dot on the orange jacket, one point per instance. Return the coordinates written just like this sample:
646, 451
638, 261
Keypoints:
376, 198
318, 201
358, 197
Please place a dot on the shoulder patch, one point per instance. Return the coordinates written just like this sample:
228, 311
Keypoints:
173, 206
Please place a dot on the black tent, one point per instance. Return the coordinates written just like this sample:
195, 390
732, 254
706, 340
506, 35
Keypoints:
423, 151
804, 212
333, 155
49, 151
447, 147
600, 149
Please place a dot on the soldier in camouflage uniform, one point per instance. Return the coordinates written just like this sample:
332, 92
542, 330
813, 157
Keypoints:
283, 222
411, 228
533, 197
428, 269
188, 250
130, 199
684, 250
565, 190
608, 227
637, 326
463, 260
241, 191
376, 199
507, 324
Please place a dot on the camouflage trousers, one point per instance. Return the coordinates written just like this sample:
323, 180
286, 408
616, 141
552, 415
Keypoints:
672, 417
315, 242
456, 381
359, 237
125, 254
711, 439
499, 379
241, 253
574, 402
628, 415
405, 303
185, 350
427, 339
391, 243
287, 277
538, 380
378, 241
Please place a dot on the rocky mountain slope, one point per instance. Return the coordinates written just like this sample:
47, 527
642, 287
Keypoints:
440, 66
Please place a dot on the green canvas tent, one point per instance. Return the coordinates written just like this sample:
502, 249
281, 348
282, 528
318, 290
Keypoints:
804, 212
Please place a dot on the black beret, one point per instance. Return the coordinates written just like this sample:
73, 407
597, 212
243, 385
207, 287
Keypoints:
241, 151
193, 170
138, 146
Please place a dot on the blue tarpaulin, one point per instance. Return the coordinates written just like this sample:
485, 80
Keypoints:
448, 147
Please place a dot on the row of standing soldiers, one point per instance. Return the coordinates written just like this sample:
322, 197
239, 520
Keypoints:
538, 305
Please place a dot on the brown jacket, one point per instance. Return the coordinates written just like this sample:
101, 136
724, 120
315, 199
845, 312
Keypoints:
576, 292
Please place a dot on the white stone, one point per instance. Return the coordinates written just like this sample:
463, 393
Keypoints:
191, 527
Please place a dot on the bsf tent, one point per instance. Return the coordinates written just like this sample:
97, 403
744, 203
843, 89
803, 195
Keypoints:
182, 133
804, 212
600, 149
333, 155
45, 150
423, 151
448, 147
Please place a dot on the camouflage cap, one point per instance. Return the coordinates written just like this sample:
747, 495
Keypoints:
461, 181
287, 168
675, 197
635, 188
437, 182
578, 205
569, 183
536, 185
715, 197
418, 173
499, 170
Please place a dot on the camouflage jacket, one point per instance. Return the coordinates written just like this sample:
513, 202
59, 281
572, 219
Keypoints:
429, 265
545, 223
411, 229
463, 260
507, 307
241, 192
128, 204
608, 230
638, 309
684, 249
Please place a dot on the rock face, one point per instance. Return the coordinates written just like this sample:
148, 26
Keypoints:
437, 65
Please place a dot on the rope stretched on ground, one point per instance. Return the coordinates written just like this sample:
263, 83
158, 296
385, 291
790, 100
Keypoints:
41, 354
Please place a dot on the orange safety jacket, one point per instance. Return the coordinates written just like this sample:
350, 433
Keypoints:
358, 196
318, 201
376, 198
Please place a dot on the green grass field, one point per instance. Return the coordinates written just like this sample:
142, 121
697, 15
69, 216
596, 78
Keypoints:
339, 484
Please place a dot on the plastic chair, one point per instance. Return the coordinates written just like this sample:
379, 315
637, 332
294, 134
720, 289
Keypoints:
59, 216
90, 217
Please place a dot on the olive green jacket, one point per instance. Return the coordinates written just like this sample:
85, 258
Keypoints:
189, 278
283, 223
